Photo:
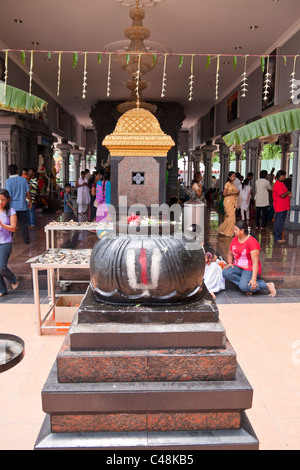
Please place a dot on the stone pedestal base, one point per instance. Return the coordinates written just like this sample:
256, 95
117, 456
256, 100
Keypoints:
131, 384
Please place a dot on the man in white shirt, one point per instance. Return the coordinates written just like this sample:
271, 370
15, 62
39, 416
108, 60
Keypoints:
262, 188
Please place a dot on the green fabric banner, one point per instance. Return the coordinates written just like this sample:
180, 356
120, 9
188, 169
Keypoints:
279, 123
19, 101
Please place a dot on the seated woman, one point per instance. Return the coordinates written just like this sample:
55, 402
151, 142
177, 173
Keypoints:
197, 186
244, 267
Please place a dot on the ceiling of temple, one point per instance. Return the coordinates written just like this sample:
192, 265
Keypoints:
211, 27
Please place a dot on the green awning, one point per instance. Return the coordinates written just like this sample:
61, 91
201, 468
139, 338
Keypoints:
19, 101
280, 123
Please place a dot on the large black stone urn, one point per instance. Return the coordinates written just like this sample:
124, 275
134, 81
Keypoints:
147, 267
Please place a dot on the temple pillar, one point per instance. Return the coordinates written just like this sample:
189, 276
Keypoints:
253, 151
238, 150
190, 170
4, 153
224, 154
285, 142
294, 217
4, 156
198, 158
77, 155
65, 149
208, 150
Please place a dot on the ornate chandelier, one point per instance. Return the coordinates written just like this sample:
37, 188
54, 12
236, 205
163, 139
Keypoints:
136, 64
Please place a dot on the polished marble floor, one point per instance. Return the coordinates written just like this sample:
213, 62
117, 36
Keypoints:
264, 331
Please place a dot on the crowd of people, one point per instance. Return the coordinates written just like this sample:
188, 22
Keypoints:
18, 202
93, 197
272, 202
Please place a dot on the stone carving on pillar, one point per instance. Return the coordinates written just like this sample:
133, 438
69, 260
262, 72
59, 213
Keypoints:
198, 157
15, 147
208, 150
77, 154
285, 142
65, 149
238, 150
224, 154
190, 169
253, 151
4, 157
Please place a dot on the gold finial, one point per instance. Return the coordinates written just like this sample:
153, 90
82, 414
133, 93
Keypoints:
138, 102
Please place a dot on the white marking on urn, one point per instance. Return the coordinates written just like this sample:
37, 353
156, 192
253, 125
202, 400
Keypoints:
155, 271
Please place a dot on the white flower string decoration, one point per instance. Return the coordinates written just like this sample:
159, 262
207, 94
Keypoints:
244, 83
5, 74
217, 77
84, 77
58, 73
164, 81
30, 72
293, 85
108, 76
267, 81
138, 73
191, 79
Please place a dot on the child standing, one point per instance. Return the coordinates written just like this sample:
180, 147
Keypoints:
69, 210
245, 195
8, 224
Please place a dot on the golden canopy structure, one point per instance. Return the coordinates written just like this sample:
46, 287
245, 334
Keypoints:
138, 133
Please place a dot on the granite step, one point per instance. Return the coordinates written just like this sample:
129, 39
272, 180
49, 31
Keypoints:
89, 336
145, 365
243, 438
140, 397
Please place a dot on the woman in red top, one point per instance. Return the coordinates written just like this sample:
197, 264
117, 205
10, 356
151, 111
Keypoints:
244, 268
281, 203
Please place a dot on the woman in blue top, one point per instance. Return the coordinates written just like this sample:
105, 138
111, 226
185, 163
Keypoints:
8, 224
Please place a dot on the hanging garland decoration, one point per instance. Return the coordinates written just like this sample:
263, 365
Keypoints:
108, 76
75, 59
293, 85
59, 73
30, 72
217, 77
84, 77
5, 73
267, 81
138, 73
244, 80
192, 79
244, 83
164, 80
234, 62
